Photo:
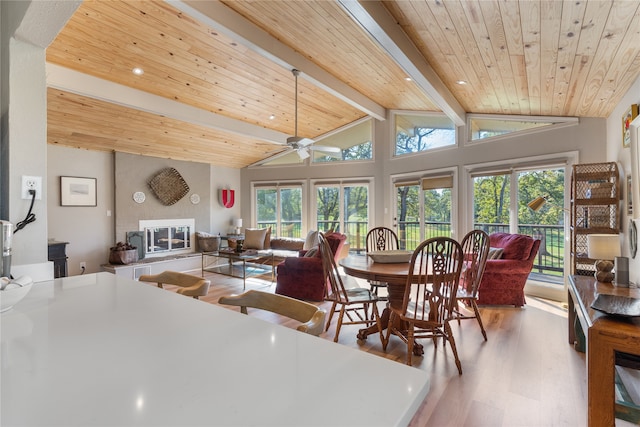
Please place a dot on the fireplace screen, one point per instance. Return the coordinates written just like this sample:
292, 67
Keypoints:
165, 238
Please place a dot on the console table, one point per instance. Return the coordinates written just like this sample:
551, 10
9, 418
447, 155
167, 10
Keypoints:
606, 335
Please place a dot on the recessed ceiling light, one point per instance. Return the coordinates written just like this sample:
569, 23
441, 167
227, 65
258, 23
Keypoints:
138, 71
461, 82
272, 117
408, 79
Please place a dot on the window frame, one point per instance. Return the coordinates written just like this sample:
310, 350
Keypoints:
279, 185
341, 183
417, 179
556, 123
358, 122
392, 133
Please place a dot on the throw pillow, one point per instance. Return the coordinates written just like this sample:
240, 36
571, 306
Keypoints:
495, 253
254, 238
311, 252
311, 240
267, 239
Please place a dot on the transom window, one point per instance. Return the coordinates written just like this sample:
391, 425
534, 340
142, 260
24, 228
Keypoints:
483, 127
415, 133
355, 143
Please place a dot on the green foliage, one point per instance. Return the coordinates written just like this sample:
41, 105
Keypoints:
491, 199
362, 151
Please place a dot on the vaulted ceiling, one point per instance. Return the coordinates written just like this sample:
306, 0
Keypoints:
218, 88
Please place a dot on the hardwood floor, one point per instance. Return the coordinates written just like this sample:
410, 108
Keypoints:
526, 374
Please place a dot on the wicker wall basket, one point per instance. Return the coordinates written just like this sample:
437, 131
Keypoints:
168, 186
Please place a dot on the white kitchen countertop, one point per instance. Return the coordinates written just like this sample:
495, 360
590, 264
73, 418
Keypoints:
99, 349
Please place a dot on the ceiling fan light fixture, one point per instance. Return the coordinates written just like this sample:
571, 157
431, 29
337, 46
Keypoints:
303, 153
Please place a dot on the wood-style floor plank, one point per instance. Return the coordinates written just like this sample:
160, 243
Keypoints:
526, 374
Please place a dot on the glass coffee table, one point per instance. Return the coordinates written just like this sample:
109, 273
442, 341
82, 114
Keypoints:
239, 264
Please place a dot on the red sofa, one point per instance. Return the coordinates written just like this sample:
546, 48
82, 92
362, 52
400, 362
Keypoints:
504, 278
303, 277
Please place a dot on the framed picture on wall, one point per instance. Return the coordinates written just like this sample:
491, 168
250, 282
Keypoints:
628, 117
76, 191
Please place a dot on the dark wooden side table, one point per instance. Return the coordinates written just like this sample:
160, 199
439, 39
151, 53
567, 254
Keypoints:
606, 335
57, 252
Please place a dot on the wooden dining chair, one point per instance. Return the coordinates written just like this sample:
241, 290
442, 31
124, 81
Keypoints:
475, 249
381, 239
310, 316
351, 302
429, 296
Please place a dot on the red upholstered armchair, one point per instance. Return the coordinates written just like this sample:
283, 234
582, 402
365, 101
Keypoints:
504, 278
303, 277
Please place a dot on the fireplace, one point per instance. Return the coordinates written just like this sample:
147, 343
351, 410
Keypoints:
164, 237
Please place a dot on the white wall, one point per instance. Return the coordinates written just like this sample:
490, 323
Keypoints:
89, 230
24, 122
617, 153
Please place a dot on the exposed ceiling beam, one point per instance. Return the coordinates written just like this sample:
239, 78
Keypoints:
378, 22
236, 27
83, 84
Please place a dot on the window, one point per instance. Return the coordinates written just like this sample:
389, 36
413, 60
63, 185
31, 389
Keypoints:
280, 207
415, 133
355, 142
423, 209
344, 208
487, 126
500, 205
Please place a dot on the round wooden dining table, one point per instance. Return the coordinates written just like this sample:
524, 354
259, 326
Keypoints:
395, 275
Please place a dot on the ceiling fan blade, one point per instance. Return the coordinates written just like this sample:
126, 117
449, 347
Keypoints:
325, 149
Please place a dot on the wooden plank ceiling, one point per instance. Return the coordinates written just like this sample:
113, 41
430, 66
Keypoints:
224, 98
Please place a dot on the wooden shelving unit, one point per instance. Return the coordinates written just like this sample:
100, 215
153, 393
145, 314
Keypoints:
595, 209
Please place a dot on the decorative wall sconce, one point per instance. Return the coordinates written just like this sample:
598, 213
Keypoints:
227, 198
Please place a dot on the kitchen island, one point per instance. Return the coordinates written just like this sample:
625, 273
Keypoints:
100, 349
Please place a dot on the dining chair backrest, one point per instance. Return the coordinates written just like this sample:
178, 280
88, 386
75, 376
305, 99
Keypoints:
475, 249
337, 290
432, 282
382, 239
310, 316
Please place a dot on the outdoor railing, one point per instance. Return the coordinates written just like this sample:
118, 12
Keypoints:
549, 261
550, 258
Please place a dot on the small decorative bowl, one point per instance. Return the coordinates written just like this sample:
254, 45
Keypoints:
12, 296
390, 257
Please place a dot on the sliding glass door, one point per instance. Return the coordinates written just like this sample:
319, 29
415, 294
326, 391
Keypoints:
500, 205
423, 210
344, 208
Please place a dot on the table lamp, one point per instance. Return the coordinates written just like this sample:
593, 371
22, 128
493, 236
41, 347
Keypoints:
238, 224
604, 248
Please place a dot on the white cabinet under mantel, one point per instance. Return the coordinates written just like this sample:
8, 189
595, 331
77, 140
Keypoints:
181, 263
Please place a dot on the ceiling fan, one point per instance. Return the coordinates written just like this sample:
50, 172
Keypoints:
301, 145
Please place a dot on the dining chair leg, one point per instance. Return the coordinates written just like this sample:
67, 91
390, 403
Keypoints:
479, 318
410, 342
452, 342
385, 339
333, 310
339, 325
